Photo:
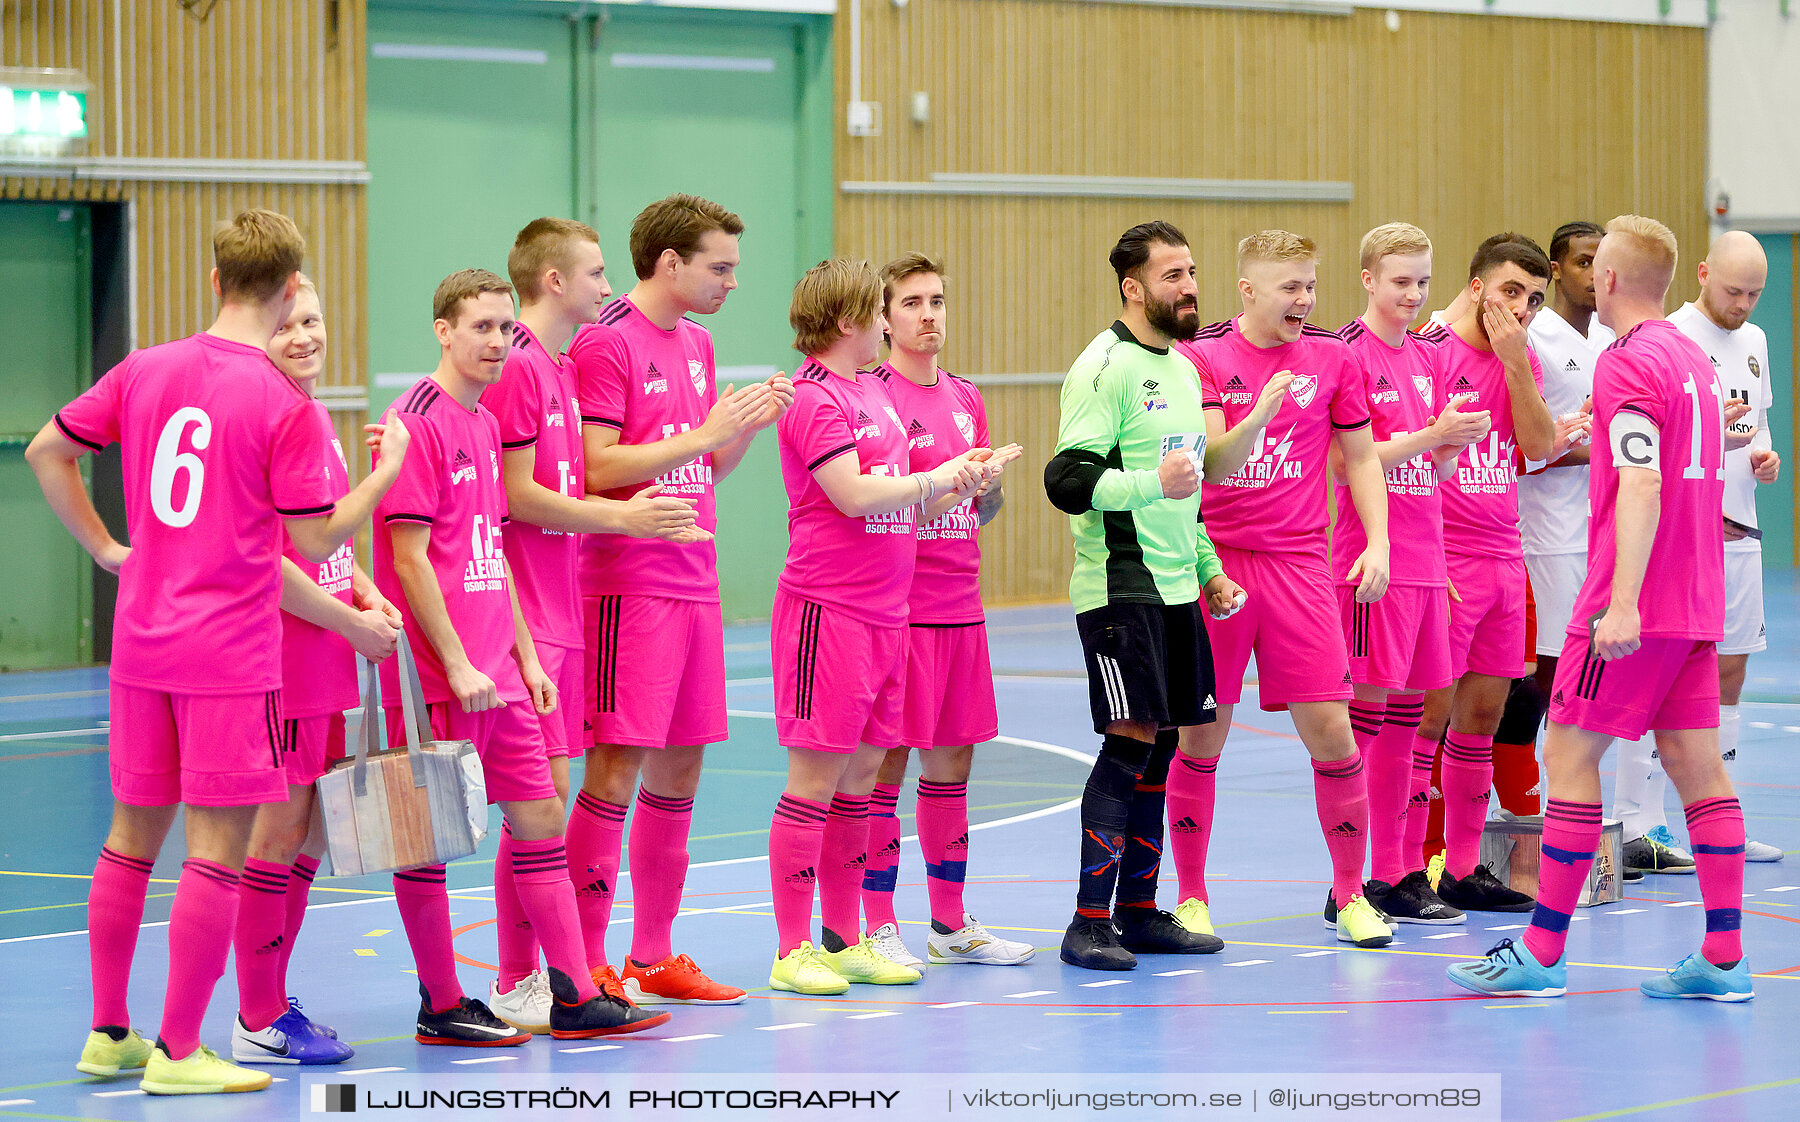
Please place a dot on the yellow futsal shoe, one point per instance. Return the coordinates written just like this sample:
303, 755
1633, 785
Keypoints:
863, 964
102, 1055
1194, 915
1358, 922
201, 1073
802, 970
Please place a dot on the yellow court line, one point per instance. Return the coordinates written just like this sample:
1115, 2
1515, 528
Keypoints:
1623, 1111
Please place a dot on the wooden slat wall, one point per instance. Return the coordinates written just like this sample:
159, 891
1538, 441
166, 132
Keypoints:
256, 79
1466, 125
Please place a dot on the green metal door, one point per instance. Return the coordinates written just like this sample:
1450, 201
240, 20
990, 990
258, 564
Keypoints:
714, 107
44, 269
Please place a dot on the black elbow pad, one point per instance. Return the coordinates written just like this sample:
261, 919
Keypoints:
1070, 478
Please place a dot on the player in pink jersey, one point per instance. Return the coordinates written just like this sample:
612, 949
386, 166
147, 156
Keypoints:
1484, 354
1400, 644
220, 452
838, 637
655, 634
1640, 656
330, 612
950, 685
560, 274
1279, 393
439, 553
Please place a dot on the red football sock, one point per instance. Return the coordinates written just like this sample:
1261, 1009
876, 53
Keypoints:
1516, 779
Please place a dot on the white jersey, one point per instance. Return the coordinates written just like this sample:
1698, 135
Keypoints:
1553, 505
1742, 359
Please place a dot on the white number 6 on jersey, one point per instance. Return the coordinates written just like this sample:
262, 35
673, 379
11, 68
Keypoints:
171, 462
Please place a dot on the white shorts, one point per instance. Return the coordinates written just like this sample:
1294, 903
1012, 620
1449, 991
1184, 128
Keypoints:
1555, 581
1745, 630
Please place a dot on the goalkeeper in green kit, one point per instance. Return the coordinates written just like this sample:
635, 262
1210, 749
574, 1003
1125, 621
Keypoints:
1127, 472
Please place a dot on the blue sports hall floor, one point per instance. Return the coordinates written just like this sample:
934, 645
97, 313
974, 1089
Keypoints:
1283, 997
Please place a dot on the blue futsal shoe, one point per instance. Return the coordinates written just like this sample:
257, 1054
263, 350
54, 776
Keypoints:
292, 1039
1509, 970
1696, 979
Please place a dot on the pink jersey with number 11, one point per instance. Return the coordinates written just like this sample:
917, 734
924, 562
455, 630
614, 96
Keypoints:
1658, 372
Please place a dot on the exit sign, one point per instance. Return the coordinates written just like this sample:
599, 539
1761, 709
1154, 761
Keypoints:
42, 114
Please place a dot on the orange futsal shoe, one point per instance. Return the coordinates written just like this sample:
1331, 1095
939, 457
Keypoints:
676, 981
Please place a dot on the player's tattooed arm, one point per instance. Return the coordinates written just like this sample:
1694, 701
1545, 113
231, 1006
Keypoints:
55, 460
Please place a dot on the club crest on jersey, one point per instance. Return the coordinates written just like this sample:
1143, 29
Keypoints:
965, 425
894, 417
494, 462
1755, 367
1422, 383
697, 374
462, 468
654, 382
1303, 388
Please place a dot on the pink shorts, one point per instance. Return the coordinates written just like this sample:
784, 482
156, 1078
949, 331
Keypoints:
839, 682
567, 729
1487, 627
508, 740
949, 686
1291, 622
1401, 641
310, 745
205, 749
656, 668
1664, 684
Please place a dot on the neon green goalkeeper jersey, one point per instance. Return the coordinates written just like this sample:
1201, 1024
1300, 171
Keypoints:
1125, 406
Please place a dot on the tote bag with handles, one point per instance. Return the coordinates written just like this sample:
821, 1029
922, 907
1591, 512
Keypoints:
387, 809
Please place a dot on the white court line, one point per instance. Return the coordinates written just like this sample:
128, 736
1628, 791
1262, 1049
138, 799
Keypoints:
1175, 973
685, 1039
1313, 954
953, 1004
52, 734
1784, 888
487, 1060
784, 1028
17, 1102
1683, 904
1250, 962
1450, 935
1106, 982
1509, 927
1030, 993
368, 1071
117, 1094
1624, 912
872, 1016
1044, 812
591, 1048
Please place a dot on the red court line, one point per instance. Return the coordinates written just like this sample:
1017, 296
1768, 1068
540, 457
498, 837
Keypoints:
52, 755
1265, 732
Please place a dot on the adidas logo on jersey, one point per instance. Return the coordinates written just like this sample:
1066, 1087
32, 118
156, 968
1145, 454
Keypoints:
865, 426
1462, 385
1345, 830
916, 427
1384, 392
1346, 677
1571, 365
917, 437
1236, 383
654, 382
462, 468
1382, 383
1236, 393
807, 875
